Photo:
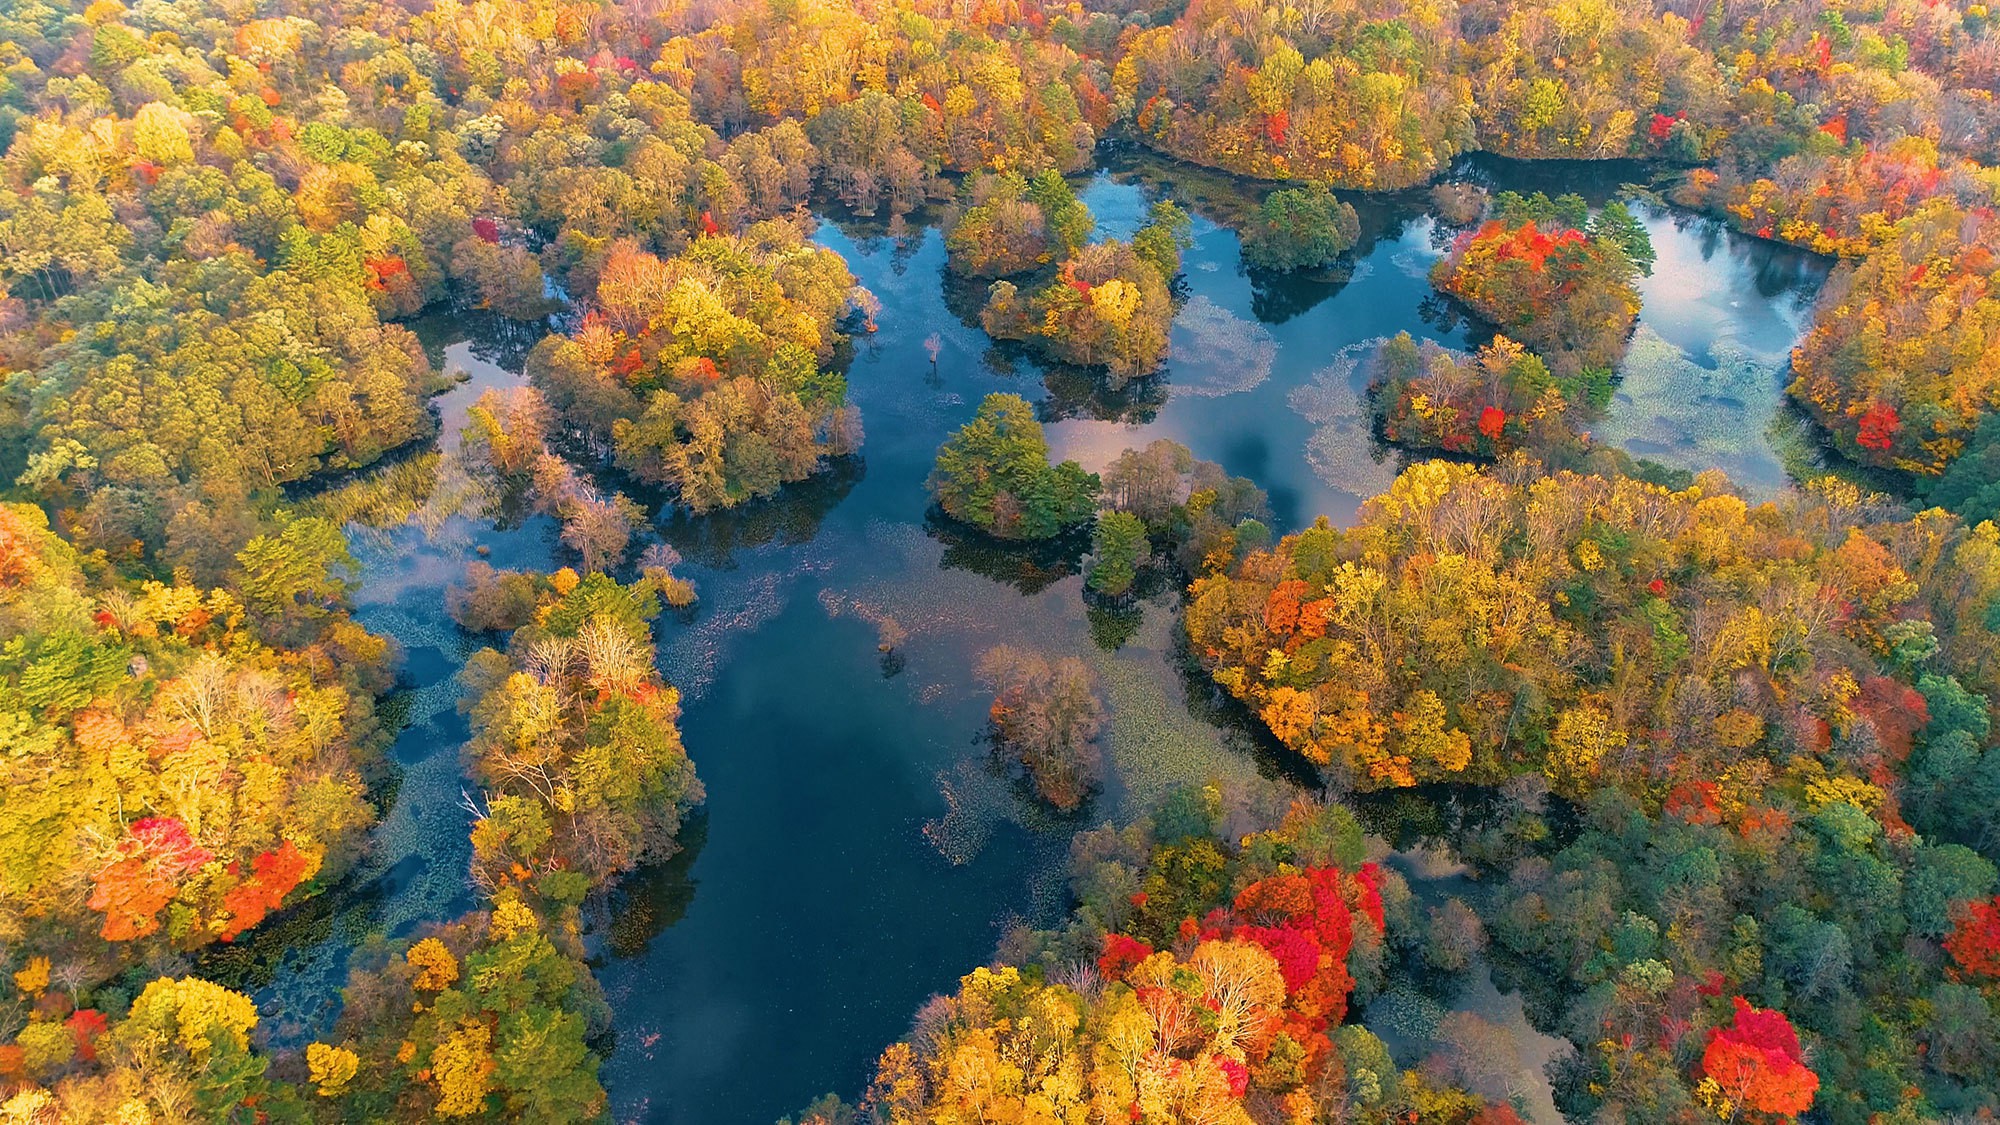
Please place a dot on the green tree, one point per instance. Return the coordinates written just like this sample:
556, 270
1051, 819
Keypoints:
1300, 228
994, 473
299, 574
1119, 545
1616, 223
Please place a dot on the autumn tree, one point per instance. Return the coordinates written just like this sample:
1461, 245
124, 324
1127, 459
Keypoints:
1046, 713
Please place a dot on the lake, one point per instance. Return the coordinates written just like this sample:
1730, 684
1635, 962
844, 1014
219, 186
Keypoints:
857, 853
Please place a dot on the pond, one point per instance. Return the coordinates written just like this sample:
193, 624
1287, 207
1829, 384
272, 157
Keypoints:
857, 853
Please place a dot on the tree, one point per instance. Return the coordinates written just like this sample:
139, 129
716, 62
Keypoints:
1758, 1064
1530, 270
298, 575
994, 474
1119, 545
1046, 713
1974, 941
1109, 304
1300, 228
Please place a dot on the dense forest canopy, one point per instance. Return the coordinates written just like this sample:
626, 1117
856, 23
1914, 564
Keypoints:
1741, 751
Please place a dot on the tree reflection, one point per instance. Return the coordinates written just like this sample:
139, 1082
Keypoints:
791, 517
1027, 567
652, 898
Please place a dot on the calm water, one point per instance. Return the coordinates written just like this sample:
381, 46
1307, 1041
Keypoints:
856, 853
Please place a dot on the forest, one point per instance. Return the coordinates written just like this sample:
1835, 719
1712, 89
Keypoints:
1715, 764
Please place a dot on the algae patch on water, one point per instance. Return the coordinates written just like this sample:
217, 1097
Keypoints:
1342, 450
1216, 352
1684, 415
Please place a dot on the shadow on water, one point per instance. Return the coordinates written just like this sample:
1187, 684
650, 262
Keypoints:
493, 339
1029, 568
790, 518
1278, 297
1077, 393
651, 899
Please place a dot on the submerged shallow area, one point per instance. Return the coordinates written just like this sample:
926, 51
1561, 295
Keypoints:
857, 852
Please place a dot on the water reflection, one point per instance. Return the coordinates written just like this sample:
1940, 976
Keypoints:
1278, 297
790, 518
1029, 568
651, 899
1076, 393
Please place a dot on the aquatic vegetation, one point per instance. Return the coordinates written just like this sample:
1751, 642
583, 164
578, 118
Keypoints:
220, 240
1155, 744
1680, 413
1342, 450
1221, 353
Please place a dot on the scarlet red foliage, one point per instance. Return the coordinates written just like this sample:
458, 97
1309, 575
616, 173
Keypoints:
1527, 242
1492, 421
86, 1024
486, 230
1758, 1062
274, 875
1295, 951
1695, 802
168, 840
156, 853
1879, 424
1278, 126
1896, 709
1306, 923
708, 224
1238, 1074
1370, 880
382, 269
1974, 942
1120, 954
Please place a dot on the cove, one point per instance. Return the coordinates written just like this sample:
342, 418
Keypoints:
856, 854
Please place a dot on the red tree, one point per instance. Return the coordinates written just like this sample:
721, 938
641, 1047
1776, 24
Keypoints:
1758, 1062
1878, 426
1974, 942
